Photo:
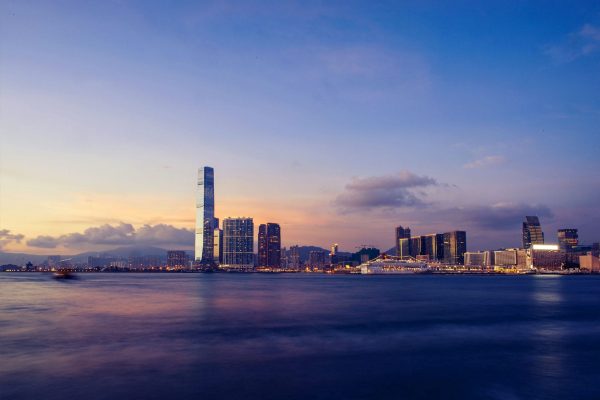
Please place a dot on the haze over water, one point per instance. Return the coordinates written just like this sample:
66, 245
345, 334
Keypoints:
258, 336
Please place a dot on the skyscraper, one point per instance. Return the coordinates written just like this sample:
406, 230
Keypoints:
567, 239
401, 233
532, 232
176, 259
269, 245
238, 243
455, 247
205, 215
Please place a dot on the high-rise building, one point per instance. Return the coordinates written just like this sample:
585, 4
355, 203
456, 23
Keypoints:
269, 245
403, 248
333, 255
567, 239
433, 246
316, 259
238, 243
294, 259
455, 247
205, 215
415, 247
532, 232
218, 245
401, 233
176, 259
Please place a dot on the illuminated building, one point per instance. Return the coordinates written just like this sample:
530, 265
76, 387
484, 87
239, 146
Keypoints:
294, 258
401, 233
316, 259
415, 246
505, 258
269, 245
546, 257
433, 246
479, 258
403, 250
238, 243
568, 239
176, 259
455, 246
589, 262
333, 256
218, 245
205, 215
532, 232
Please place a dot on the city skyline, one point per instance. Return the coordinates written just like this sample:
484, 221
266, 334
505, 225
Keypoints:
338, 121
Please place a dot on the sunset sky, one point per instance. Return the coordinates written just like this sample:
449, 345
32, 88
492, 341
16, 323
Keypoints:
338, 120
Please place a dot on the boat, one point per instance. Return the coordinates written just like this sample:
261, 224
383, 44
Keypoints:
64, 275
385, 264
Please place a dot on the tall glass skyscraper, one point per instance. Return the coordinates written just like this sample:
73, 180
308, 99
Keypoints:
269, 245
205, 216
532, 232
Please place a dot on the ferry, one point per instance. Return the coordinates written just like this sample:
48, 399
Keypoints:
385, 264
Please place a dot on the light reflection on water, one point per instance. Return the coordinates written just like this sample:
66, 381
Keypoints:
298, 336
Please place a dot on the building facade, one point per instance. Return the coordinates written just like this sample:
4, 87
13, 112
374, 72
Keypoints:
455, 247
568, 239
401, 233
269, 245
177, 259
238, 243
205, 214
532, 232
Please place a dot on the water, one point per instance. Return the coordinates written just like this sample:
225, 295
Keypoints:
260, 336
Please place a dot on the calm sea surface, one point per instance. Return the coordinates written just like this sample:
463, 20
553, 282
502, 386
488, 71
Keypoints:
259, 336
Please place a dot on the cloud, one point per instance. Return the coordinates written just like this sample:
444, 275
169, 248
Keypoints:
6, 237
381, 192
577, 44
119, 235
485, 162
500, 216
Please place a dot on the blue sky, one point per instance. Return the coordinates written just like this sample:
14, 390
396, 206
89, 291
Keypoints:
320, 116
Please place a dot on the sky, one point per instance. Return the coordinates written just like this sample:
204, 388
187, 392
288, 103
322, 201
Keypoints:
337, 120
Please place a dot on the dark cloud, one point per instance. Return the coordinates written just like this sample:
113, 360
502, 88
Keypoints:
502, 216
381, 192
6, 237
120, 235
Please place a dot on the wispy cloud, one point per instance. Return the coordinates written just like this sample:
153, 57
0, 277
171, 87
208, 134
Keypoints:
119, 235
381, 192
485, 162
6, 237
583, 42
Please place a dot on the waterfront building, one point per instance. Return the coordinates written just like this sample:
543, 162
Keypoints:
505, 258
404, 248
568, 239
218, 245
333, 255
176, 259
589, 262
415, 246
455, 246
401, 233
238, 243
532, 232
433, 246
205, 216
269, 245
316, 259
546, 257
478, 258
294, 258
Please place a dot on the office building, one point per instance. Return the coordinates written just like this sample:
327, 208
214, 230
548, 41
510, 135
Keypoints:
218, 245
269, 245
176, 259
238, 243
205, 215
546, 257
403, 250
505, 258
455, 247
415, 246
532, 232
478, 259
401, 233
294, 258
568, 239
316, 259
